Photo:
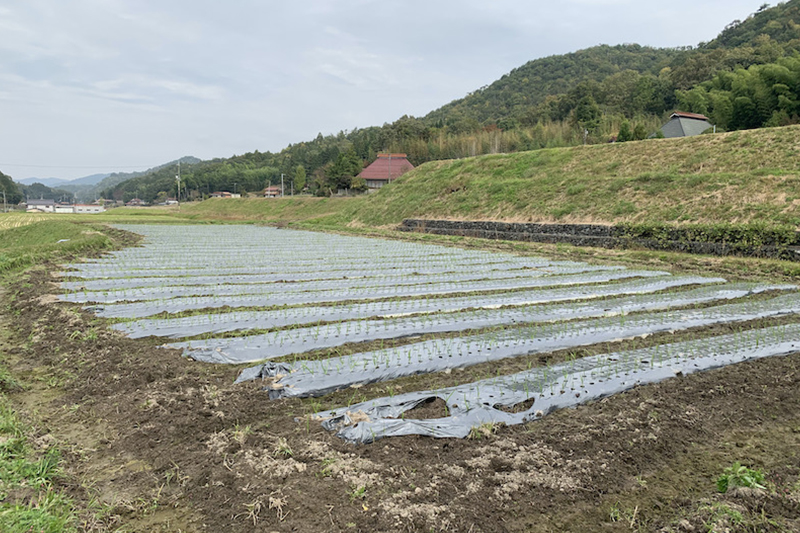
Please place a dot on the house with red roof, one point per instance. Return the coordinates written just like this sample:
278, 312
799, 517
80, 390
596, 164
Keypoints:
273, 191
386, 168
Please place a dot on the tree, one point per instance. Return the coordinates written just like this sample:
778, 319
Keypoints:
299, 177
359, 184
13, 195
625, 133
587, 114
344, 169
639, 132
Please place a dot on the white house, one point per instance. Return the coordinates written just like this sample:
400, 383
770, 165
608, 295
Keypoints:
89, 208
40, 206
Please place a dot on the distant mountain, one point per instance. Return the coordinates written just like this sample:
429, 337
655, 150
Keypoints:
38, 190
94, 179
89, 188
50, 182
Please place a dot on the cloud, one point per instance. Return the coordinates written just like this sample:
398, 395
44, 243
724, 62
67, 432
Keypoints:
125, 82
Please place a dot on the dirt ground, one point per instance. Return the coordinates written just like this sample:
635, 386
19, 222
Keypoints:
155, 442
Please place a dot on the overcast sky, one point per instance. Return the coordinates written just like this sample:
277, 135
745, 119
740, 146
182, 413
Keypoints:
89, 86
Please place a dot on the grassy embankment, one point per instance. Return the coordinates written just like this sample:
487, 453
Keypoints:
738, 177
29, 467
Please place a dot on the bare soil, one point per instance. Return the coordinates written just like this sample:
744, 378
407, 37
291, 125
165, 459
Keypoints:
155, 442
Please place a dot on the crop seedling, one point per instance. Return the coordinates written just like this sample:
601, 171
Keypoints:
739, 475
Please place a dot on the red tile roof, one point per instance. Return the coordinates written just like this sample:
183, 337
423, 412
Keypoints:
387, 167
689, 115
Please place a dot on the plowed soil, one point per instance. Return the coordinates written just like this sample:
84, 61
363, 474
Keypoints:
155, 442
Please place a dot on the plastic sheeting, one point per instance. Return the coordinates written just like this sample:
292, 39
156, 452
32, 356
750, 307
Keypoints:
231, 250
320, 377
555, 387
174, 288
475, 268
175, 305
243, 320
279, 343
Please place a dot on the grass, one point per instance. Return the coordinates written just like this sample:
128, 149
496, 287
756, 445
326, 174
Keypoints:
48, 240
28, 501
696, 180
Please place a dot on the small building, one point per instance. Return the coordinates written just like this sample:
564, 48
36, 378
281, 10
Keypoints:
221, 194
273, 191
136, 202
685, 125
40, 206
89, 208
65, 208
386, 168
171, 201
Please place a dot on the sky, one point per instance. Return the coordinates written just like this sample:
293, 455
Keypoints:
93, 86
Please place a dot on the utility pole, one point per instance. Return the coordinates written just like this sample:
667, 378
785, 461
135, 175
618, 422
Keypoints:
5, 207
178, 177
281, 184
234, 186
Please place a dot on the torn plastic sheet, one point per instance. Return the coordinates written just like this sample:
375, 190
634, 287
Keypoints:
243, 320
563, 385
175, 288
175, 305
320, 377
285, 342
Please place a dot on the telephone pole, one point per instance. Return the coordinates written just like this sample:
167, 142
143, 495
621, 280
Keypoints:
178, 177
281, 184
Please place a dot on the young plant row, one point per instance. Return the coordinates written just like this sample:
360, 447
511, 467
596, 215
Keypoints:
319, 377
283, 342
543, 390
222, 320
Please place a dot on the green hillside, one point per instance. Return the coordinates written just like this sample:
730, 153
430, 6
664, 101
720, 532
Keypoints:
737, 177
733, 177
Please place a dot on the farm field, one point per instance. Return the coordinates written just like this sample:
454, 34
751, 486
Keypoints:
247, 378
15, 220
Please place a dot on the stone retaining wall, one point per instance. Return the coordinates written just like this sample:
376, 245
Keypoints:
592, 235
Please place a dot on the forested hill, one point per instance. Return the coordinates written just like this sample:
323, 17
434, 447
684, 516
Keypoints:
529, 85
747, 77
630, 79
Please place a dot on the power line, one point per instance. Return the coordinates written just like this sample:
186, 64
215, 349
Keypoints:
72, 166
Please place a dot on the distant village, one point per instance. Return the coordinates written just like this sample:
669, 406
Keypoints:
385, 169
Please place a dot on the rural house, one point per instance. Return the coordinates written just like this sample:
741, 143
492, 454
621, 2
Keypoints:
89, 208
385, 168
273, 191
42, 206
685, 125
